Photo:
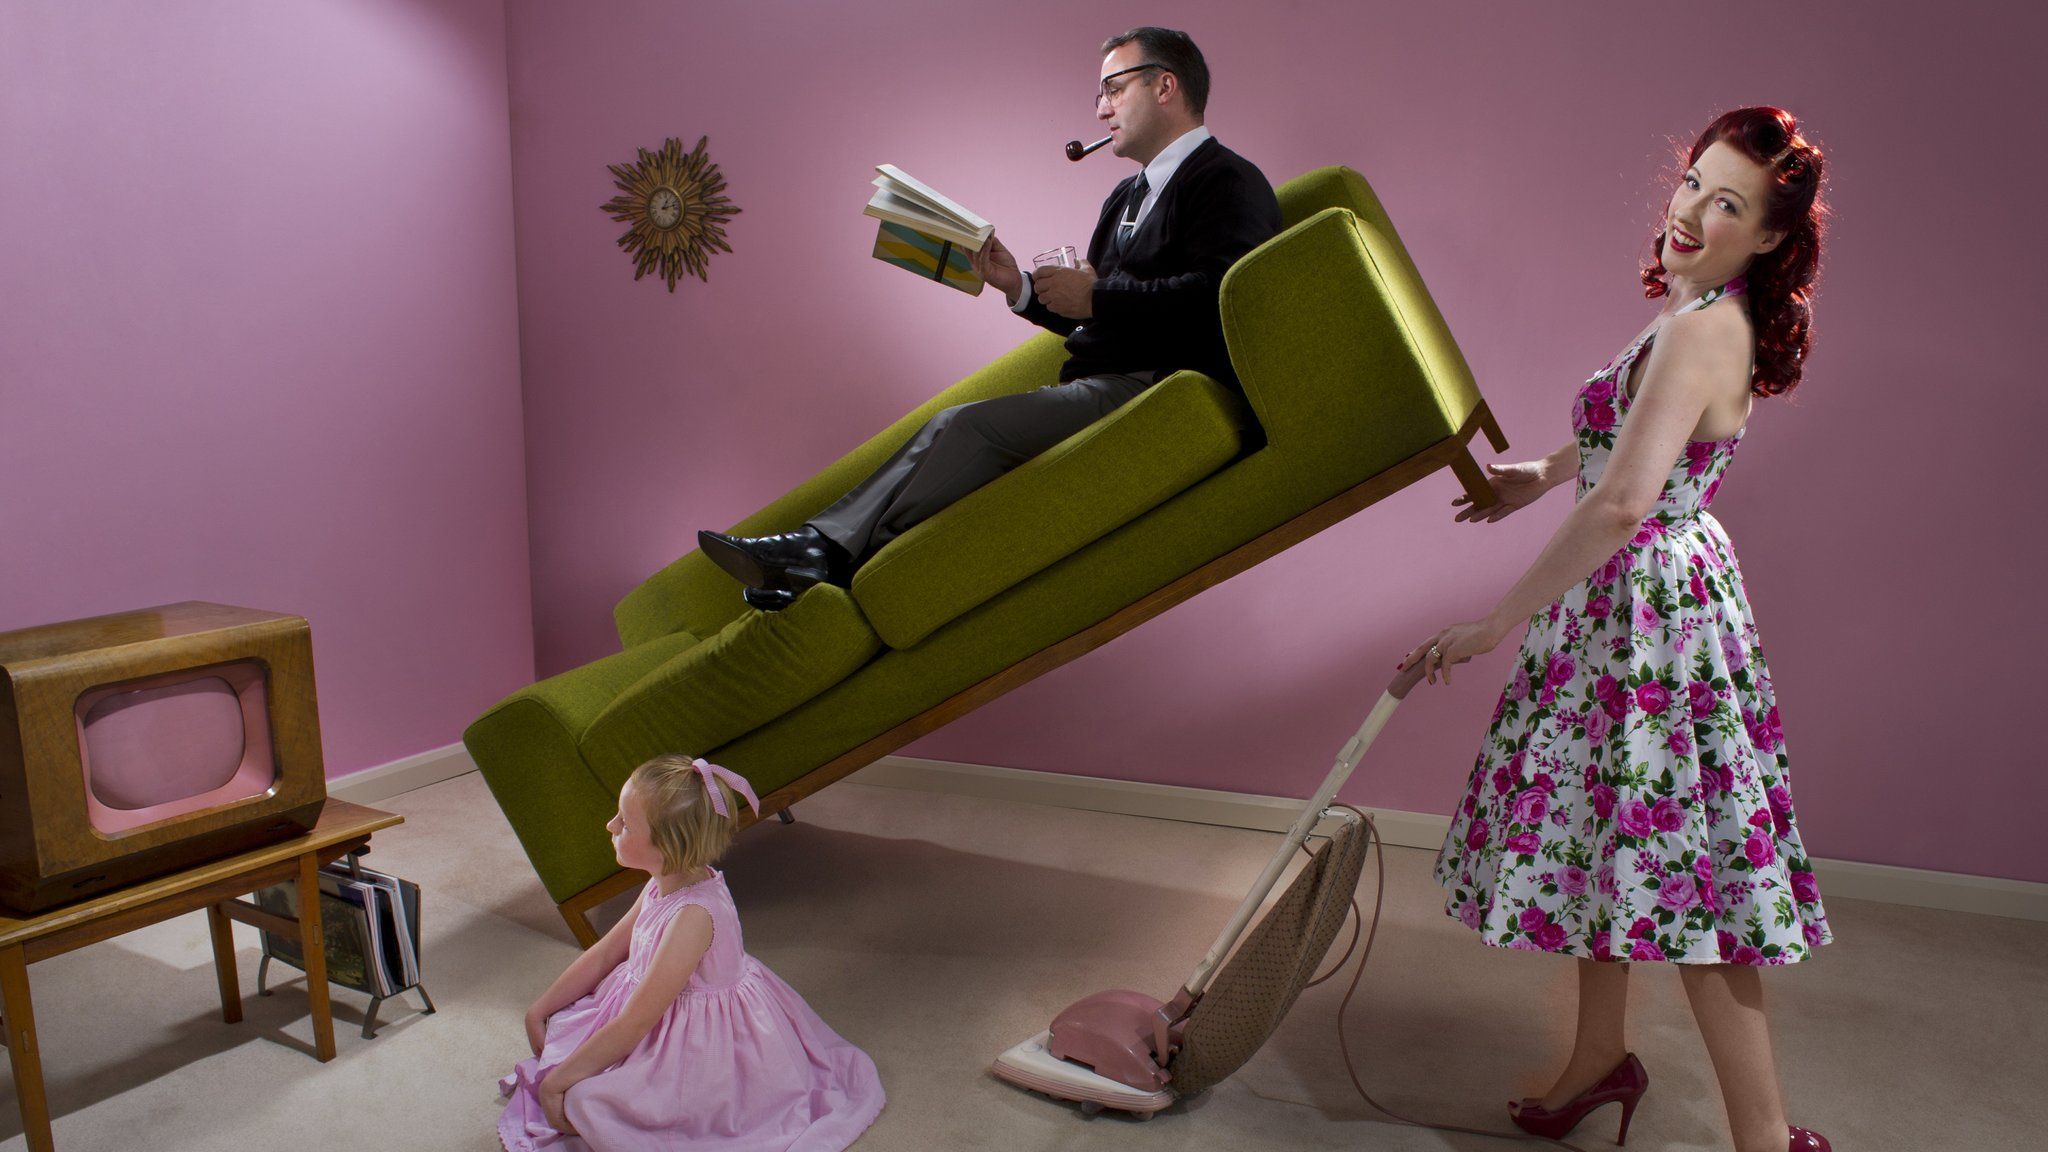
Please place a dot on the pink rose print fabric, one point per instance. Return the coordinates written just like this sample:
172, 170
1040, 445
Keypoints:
1633, 800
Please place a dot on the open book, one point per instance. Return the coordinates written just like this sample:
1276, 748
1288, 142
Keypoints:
925, 232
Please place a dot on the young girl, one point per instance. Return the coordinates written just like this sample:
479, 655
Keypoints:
1633, 799
666, 1034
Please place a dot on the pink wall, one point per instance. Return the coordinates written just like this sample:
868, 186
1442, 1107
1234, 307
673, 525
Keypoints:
1519, 149
258, 338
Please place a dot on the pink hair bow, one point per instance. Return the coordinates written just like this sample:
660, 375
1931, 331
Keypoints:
711, 772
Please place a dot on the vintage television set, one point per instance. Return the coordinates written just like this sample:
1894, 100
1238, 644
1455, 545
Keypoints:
143, 742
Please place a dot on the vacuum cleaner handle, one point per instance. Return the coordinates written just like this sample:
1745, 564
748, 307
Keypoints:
1405, 681
1354, 750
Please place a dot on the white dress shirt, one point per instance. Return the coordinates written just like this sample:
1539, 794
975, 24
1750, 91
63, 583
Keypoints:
1157, 173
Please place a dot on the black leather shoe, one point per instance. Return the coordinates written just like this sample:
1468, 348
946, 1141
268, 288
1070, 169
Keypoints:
793, 561
768, 599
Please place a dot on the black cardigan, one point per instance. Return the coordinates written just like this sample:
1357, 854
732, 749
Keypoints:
1155, 303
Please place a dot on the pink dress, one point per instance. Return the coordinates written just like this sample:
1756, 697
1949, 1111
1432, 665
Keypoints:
738, 1063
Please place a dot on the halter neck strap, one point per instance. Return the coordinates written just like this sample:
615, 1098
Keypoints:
1735, 287
1621, 364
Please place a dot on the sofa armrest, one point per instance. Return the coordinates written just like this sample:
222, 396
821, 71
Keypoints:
526, 748
1341, 351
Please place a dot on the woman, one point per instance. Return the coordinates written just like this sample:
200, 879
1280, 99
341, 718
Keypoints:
1631, 802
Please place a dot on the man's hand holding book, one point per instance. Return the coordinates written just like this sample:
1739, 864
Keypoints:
995, 265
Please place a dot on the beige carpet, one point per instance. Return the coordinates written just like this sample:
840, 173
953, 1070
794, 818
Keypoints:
936, 931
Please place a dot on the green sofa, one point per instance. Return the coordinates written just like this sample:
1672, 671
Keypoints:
1355, 390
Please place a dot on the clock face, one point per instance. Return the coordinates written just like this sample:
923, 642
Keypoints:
665, 208
674, 206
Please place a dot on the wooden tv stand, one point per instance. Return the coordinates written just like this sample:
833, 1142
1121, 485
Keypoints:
214, 886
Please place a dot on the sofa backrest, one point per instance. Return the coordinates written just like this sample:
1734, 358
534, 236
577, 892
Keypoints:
1311, 192
1341, 351
1341, 187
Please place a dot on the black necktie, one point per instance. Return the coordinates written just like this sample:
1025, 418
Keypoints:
1129, 223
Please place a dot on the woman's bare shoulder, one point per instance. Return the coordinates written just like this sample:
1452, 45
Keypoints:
1725, 322
1712, 338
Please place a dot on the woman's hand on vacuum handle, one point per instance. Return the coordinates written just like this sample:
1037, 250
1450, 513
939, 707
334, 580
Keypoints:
1406, 677
1453, 645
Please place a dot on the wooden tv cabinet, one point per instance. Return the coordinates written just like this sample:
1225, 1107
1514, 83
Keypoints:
214, 886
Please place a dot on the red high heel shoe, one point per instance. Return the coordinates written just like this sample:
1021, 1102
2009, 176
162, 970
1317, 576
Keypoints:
1804, 1141
1625, 1084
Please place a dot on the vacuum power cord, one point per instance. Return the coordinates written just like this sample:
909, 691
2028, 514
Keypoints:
1372, 831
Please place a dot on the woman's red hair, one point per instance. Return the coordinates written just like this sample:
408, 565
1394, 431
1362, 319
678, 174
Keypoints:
1780, 281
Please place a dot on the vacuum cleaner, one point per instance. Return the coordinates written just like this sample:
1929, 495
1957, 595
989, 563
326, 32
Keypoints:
1134, 1053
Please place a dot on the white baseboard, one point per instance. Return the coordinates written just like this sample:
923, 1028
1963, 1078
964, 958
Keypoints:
1919, 887
1923, 888
417, 771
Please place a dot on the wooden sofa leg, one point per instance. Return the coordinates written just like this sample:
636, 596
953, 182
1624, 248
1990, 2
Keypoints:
1477, 488
578, 921
1491, 427
576, 909
787, 816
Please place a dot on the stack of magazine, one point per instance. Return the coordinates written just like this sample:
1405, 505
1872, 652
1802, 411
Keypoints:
372, 926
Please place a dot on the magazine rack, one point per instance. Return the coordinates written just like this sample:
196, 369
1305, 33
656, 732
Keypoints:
372, 929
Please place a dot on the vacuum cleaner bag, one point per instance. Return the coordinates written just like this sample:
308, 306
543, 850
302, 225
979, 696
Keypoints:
1254, 989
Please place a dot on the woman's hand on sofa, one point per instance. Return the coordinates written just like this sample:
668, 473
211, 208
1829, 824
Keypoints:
1516, 486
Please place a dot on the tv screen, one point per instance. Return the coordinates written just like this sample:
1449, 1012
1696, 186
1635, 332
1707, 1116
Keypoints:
163, 746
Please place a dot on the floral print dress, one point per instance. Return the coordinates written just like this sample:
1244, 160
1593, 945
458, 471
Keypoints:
1632, 801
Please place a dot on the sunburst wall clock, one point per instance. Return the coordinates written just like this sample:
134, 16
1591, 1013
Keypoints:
677, 210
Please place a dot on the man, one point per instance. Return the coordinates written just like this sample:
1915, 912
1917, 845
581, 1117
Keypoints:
1144, 305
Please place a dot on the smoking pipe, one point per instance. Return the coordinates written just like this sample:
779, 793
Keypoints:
1076, 149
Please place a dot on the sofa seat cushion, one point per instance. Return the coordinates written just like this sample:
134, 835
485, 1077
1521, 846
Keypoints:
753, 670
1088, 485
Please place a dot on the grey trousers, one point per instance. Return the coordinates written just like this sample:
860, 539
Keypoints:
963, 448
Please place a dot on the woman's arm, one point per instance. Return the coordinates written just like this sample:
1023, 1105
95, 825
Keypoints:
1692, 364
674, 960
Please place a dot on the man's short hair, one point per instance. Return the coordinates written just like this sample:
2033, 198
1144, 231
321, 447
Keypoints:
1175, 52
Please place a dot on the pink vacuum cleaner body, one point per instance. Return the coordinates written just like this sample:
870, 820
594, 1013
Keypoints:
1120, 1049
1127, 1036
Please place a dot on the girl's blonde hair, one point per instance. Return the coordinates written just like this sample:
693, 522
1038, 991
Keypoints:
680, 818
